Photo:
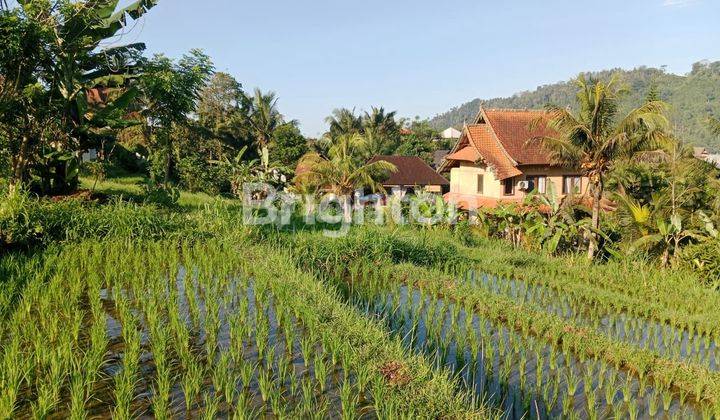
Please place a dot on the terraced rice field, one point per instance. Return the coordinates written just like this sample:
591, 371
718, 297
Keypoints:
373, 325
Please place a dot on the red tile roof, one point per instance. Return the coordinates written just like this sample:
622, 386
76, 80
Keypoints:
514, 129
466, 154
504, 140
411, 170
492, 152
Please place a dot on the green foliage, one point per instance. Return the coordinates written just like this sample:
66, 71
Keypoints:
344, 170
289, 145
704, 258
27, 221
55, 61
197, 174
691, 97
166, 196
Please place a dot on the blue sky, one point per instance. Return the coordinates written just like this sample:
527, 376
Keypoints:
423, 57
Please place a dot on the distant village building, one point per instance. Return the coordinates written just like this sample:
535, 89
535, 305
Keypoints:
412, 174
450, 133
495, 161
703, 154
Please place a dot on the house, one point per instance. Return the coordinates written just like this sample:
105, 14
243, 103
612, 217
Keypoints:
703, 154
450, 133
498, 159
412, 174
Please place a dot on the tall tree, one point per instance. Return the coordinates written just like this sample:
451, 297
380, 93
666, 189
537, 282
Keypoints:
344, 169
69, 35
343, 121
288, 146
263, 118
170, 92
595, 137
381, 130
219, 110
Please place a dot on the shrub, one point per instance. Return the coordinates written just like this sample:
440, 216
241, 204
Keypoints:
196, 174
19, 218
161, 195
704, 258
27, 221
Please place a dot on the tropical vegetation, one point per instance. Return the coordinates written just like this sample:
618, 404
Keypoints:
131, 286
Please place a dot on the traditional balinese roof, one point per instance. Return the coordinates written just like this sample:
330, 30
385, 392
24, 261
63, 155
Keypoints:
411, 170
503, 139
466, 154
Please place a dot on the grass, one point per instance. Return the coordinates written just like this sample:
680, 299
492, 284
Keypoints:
136, 280
128, 309
356, 261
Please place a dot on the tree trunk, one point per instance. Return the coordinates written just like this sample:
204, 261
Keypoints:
168, 165
19, 164
597, 196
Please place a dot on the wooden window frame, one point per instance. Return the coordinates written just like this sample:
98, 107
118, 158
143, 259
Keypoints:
480, 189
565, 186
512, 186
535, 180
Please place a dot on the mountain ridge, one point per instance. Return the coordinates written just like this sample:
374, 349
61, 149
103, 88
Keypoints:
692, 97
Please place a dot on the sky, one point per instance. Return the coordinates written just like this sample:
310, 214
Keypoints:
424, 57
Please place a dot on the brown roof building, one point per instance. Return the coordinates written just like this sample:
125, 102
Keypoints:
412, 172
498, 159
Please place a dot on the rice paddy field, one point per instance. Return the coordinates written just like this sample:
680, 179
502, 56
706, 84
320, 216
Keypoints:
381, 323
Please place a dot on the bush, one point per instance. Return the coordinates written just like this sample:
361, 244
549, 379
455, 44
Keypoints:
704, 258
161, 195
26, 221
196, 174
20, 222
126, 160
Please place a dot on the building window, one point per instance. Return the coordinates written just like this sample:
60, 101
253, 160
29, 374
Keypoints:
537, 183
572, 184
480, 183
509, 186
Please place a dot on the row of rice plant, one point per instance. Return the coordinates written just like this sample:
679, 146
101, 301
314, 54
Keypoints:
687, 381
126, 330
673, 333
523, 374
649, 334
669, 297
435, 321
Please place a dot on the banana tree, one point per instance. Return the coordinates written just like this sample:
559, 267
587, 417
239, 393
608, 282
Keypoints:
241, 170
552, 221
668, 238
73, 64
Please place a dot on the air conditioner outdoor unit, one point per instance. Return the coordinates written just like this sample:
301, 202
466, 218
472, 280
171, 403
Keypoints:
524, 185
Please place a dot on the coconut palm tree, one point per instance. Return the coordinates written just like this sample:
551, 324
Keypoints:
262, 117
344, 169
343, 121
381, 130
595, 137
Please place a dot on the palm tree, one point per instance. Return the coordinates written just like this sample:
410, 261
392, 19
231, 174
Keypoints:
343, 121
263, 117
594, 138
380, 121
381, 130
344, 169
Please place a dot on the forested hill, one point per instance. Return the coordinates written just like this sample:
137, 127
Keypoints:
692, 98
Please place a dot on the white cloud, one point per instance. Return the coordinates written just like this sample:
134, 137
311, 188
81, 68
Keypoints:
678, 3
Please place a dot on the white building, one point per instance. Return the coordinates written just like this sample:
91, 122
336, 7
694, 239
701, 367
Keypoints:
451, 133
